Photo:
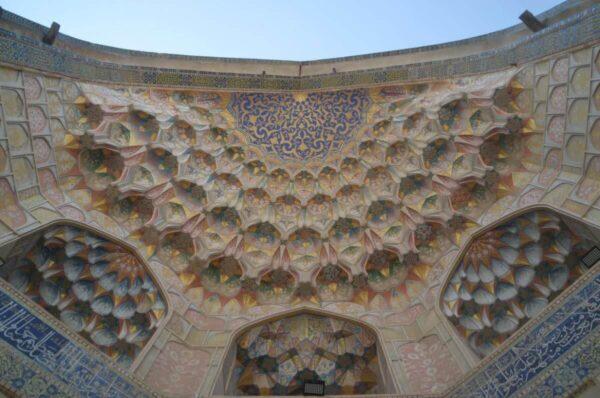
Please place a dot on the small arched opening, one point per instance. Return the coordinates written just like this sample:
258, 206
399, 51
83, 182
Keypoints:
286, 353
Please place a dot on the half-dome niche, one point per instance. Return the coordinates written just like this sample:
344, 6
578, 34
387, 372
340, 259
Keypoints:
95, 286
279, 355
508, 274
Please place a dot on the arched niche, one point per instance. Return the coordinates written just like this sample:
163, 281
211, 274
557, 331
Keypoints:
508, 272
96, 286
273, 356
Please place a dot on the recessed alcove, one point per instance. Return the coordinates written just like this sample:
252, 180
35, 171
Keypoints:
510, 271
277, 355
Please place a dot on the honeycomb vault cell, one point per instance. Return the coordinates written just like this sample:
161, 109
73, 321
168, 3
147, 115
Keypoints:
96, 287
269, 193
510, 273
278, 357
443, 195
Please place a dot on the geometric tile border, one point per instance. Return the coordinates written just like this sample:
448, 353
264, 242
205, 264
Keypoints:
16, 49
47, 354
20, 376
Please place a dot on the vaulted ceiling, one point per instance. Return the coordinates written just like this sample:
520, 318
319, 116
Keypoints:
280, 198
394, 229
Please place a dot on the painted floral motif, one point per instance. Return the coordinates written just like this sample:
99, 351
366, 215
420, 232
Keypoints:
560, 70
184, 180
42, 150
178, 371
49, 186
10, 211
72, 213
551, 168
533, 196
37, 120
558, 100
300, 126
588, 188
429, 366
33, 88
556, 129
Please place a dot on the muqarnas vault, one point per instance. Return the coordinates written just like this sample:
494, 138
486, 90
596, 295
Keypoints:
420, 222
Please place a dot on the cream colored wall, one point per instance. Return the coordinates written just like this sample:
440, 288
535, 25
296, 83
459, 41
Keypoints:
197, 341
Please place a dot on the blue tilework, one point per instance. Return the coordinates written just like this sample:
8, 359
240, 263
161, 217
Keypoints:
578, 29
569, 336
55, 353
300, 127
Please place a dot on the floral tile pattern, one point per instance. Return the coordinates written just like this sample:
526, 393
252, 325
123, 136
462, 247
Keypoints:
560, 353
319, 122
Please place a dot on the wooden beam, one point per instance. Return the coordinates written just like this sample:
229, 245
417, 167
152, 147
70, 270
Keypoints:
50, 36
531, 21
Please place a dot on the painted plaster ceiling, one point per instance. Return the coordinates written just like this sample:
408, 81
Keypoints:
382, 226
509, 274
298, 197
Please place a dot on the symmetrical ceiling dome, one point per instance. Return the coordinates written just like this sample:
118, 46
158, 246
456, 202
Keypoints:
361, 191
401, 223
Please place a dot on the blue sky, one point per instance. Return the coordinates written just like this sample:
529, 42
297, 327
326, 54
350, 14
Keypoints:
275, 29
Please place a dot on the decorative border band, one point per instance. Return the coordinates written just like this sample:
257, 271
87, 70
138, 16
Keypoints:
576, 30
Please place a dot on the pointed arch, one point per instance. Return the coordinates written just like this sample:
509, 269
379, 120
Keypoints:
370, 357
97, 287
508, 271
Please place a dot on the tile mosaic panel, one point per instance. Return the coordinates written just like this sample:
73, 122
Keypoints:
300, 126
96, 287
238, 232
20, 376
